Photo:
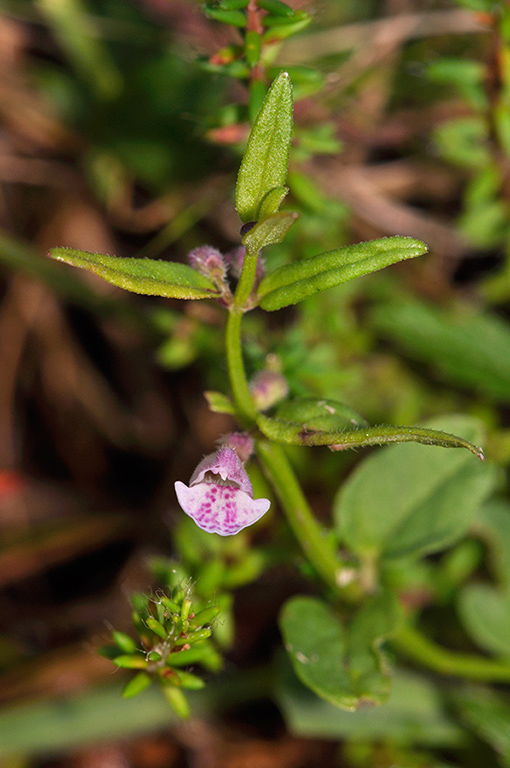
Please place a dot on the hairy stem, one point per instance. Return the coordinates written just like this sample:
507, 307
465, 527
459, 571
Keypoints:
312, 538
239, 384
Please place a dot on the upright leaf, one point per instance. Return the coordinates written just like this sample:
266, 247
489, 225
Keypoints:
155, 278
269, 231
265, 161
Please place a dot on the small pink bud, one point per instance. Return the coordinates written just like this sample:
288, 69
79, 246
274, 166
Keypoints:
220, 495
240, 442
268, 388
209, 261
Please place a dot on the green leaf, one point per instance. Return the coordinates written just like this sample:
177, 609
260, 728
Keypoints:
77, 31
296, 282
488, 714
124, 642
276, 7
131, 661
252, 47
409, 500
324, 415
464, 346
136, 685
412, 714
298, 434
271, 202
342, 665
218, 402
265, 161
485, 614
155, 278
269, 231
190, 682
493, 525
234, 18
157, 628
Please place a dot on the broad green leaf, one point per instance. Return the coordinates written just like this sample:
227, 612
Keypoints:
312, 414
463, 345
412, 714
155, 278
265, 161
302, 279
269, 231
485, 614
342, 665
488, 714
493, 525
296, 433
410, 500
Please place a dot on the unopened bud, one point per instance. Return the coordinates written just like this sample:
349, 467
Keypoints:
209, 261
240, 442
268, 388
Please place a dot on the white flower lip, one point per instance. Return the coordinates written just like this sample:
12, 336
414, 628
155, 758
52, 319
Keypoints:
224, 507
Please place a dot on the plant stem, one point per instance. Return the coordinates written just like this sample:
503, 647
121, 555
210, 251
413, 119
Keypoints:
243, 400
240, 390
307, 531
245, 284
411, 643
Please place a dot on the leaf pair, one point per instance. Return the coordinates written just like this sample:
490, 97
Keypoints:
259, 193
342, 663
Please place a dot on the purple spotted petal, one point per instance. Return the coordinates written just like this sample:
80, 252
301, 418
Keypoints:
227, 465
219, 508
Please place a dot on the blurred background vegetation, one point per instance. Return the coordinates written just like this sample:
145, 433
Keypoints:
121, 133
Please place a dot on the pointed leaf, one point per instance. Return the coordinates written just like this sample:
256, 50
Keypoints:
136, 685
218, 402
409, 500
290, 432
269, 231
148, 276
302, 279
266, 158
271, 202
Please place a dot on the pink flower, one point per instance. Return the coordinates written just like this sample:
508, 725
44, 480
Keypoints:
220, 496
